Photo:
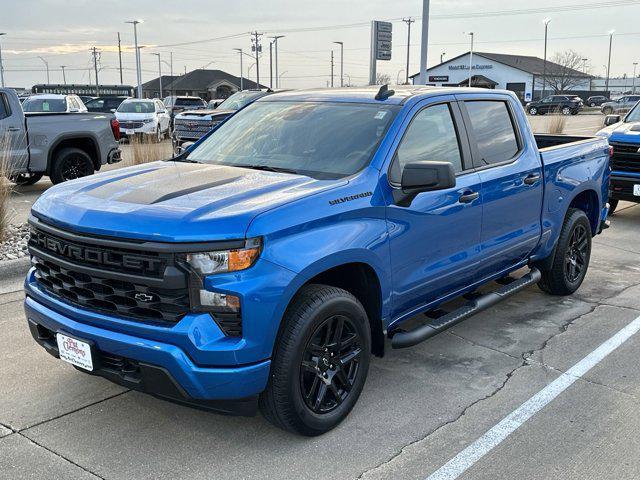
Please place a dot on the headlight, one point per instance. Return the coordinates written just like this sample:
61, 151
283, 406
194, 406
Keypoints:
147, 120
220, 261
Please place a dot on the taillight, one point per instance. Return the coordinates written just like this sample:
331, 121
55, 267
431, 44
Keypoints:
115, 128
610, 152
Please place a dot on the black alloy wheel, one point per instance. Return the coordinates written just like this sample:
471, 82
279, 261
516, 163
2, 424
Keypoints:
330, 364
576, 255
74, 166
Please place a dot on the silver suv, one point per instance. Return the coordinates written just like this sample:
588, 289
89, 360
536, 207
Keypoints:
622, 105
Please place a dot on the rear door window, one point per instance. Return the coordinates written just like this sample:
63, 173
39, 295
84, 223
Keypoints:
4, 106
493, 129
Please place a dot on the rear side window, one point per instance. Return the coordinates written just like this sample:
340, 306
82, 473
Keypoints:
431, 136
493, 130
4, 107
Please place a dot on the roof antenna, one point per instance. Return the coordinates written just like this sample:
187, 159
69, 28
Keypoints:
384, 92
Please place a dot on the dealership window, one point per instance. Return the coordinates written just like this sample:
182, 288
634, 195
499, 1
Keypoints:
431, 136
494, 131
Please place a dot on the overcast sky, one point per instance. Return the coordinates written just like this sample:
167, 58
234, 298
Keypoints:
63, 31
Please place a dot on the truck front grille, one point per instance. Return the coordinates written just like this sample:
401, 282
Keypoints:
131, 125
626, 157
192, 128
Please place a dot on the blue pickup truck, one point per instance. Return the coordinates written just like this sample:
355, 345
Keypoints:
264, 266
623, 134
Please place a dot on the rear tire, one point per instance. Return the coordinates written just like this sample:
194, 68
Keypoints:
320, 361
69, 164
533, 111
571, 256
607, 111
566, 111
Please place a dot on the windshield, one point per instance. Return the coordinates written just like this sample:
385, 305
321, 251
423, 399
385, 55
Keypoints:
35, 104
320, 140
136, 107
634, 114
239, 100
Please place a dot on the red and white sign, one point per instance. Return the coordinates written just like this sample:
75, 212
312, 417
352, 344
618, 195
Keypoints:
74, 351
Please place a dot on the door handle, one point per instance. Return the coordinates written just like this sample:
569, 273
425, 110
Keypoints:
531, 179
13, 129
468, 197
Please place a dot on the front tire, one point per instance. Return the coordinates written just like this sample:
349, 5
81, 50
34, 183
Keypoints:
607, 111
24, 179
69, 164
571, 256
320, 362
533, 111
566, 111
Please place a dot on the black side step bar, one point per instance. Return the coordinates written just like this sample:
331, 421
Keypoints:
438, 325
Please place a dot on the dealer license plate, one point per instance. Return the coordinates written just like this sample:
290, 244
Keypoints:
636, 190
75, 351
130, 132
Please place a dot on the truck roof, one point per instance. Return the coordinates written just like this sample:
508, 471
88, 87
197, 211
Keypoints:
365, 94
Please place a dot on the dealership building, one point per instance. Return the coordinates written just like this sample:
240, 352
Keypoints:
518, 73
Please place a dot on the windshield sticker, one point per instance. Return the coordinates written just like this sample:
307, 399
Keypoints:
138, 108
380, 115
45, 107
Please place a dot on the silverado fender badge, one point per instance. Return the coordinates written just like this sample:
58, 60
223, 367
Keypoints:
350, 197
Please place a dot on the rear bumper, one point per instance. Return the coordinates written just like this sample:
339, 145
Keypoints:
151, 366
621, 187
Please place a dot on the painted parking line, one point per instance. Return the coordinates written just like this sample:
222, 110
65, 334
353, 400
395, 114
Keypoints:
492, 438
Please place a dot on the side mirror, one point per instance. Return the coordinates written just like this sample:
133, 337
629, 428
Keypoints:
611, 119
74, 110
112, 110
423, 176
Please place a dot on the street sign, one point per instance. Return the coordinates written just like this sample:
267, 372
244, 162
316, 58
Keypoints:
384, 55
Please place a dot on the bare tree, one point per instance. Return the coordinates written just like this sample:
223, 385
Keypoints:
383, 79
563, 71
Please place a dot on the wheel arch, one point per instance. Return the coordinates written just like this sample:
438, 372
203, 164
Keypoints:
86, 143
589, 202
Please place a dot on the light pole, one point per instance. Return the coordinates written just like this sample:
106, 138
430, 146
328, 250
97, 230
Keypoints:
584, 64
544, 67
606, 85
280, 76
275, 46
135, 41
398, 76
408, 21
1, 65
64, 77
46, 64
633, 88
241, 70
471, 34
331, 68
159, 73
422, 80
341, 62
442, 56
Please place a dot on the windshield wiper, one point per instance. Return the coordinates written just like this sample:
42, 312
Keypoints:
267, 168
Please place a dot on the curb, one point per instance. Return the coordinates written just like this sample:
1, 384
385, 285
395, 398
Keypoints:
14, 268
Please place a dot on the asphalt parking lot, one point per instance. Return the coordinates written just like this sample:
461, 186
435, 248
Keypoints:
421, 409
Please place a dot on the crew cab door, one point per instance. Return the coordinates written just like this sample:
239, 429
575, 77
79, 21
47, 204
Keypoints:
434, 241
507, 159
12, 131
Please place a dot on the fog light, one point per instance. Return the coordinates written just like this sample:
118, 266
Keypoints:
221, 300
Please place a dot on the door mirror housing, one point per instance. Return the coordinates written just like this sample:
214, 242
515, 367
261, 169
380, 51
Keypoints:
611, 119
423, 176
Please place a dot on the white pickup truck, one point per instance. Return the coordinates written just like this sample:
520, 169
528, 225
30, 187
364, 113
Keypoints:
63, 146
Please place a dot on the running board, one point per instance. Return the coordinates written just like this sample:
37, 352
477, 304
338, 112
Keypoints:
438, 325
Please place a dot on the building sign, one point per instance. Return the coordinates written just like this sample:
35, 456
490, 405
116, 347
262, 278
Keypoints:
475, 67
438, 78
382, 40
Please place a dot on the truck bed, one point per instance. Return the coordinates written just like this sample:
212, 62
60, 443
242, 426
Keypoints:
546, 141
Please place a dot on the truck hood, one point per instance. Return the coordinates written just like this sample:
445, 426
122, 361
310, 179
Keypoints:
172, 201
133, 116
622, 132
203, 114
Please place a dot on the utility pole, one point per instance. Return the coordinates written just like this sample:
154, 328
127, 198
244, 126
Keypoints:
46, 64
159, 74
64, 77
120, 58
270, 64
584, 65
341, 62
544, 68
241, 70
331, 68
470, 57
138, 67
408, 21
257, 48
606, 87
442, 56
171, 70
275, 45
1, 64
633, 89
422, 79
96, 53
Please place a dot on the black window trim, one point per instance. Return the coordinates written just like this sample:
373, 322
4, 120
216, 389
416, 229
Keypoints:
7, 107
466, 156
475, 153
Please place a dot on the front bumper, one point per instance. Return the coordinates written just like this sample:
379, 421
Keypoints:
161, 368
621, 187
147, 128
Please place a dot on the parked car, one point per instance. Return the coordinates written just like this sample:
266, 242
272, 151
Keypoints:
61, 145
597, 100
104, 104
53, 103
565, 104
191, 125
177, 104
623, 134
267, 264
622, 105
86, 98
143, 117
